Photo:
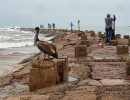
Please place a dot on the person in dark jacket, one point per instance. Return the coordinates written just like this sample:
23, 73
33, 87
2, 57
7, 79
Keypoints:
53, 26
108, 28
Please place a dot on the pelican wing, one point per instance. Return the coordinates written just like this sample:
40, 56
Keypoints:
46, 48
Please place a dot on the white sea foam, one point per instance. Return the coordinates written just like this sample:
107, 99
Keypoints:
13, 37
2, 37
18, 44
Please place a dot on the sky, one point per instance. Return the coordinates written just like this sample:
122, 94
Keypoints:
27, 13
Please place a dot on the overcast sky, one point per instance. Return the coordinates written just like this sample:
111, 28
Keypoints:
62, 12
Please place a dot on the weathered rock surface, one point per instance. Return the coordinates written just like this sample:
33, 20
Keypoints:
100, 75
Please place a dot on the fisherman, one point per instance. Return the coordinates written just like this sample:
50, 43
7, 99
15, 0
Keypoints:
41, 26
78, 25
71, 25
108, 28
49, 26
53, 26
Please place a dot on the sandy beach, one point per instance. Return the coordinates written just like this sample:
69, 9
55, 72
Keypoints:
101, 75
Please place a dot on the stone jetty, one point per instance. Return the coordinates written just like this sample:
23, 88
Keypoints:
100, 72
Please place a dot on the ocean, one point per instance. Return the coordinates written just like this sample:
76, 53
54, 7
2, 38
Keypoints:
16, 45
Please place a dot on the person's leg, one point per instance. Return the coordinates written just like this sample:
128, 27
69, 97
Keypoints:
78, 28
109, 34
112, 35
113, 30
106, 35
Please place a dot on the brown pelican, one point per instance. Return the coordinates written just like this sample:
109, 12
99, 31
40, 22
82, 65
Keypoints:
45, 47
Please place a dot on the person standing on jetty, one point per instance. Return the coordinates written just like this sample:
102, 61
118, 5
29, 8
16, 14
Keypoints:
53, 26
78, 25
71, 25
49, 26
41, 26
108, 28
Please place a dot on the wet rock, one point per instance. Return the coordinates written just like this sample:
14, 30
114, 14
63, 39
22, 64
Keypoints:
5, 80
126, 37
84, 82
108, 70
128, 66
115, 82
84, 42
29, 97
122, 49
123, 41
94, 82
118, 36
12, 89
113, 42
84, 37
80, 51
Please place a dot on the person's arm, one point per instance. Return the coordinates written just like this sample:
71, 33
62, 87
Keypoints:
114, 18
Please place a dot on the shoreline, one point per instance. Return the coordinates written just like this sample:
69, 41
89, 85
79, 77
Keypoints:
94, 75
11, 56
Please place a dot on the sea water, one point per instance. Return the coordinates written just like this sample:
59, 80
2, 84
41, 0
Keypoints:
15, 38
16, 45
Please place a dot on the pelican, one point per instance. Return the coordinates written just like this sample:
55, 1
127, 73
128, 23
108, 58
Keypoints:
45, 47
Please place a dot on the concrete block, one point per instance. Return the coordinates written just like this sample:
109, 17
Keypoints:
40, 78
128, 66
86, 31
113, 42
100, 35
48, 72
43, 75
84, 42
123, 41
91, 31
81, 33
122, 49
129, 42
43, 64
46, 64
61, 69
80, 51
93, 34
35, 63
99, 32
83, 37
65, 68
118, 36
126, 37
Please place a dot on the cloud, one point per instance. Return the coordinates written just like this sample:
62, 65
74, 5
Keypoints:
90, 12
